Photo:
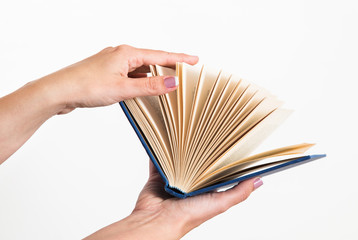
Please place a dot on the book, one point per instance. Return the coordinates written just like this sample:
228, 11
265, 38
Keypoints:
200, 137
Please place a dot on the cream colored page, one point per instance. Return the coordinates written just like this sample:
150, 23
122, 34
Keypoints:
247, 102
197, 154
200, 139
263, 158
233, 106
205, 84
179, 159
165, 71
169, 125
151, 137
240, 90
255, 162
190, 78
180, 106
212, 103
252, 139
236, 131
214, 98
271, 155
170, 109
240, 104
227, 175
150, 107
171, 97
223, 90
227, 95
148, 131
200, 152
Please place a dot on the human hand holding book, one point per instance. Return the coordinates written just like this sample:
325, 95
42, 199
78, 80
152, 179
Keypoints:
158, 215
116, 74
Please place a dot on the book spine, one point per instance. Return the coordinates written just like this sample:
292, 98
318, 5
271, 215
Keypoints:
172, 191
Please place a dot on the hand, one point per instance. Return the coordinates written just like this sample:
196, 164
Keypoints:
157, 215
112, 75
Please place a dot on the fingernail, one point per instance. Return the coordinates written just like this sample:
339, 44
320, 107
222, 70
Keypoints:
258, 183
171, 82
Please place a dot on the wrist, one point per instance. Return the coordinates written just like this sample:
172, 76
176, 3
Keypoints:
51, 100
143, 225
57, 91
156, 225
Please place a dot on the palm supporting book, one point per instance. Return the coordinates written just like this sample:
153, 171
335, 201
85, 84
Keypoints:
200, 136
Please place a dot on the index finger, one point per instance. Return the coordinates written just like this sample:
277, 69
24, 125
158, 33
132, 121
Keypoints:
157, 57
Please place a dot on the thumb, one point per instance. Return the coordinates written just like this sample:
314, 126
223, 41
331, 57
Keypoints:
150, 86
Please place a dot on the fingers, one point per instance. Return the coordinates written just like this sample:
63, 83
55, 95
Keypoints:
149, 86
151, 57
235, 195
206, 206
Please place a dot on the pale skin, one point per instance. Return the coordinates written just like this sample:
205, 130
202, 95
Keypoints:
110, 76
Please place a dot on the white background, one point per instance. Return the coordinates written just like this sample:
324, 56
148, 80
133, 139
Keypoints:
84, 170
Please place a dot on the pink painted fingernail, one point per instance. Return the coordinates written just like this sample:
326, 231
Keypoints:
171, 82
258, 183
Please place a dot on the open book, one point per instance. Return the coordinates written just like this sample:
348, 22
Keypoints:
200, 136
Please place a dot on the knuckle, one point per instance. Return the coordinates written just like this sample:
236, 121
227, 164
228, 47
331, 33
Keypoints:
123, 88
134, 62
151, 84
130, 55
245, 194
123, 47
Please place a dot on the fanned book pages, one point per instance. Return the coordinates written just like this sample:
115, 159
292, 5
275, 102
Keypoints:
200, 136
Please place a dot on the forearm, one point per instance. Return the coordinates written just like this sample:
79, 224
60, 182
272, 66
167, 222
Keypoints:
24, 111
143, 226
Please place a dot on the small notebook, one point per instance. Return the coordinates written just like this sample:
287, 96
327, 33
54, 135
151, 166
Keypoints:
201, 136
